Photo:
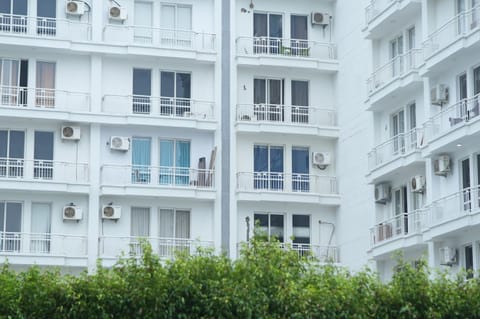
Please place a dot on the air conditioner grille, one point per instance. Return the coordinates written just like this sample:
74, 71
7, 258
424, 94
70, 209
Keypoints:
68, 131
318, 17
69, 212
72, 6
108, 211
117, 142
115, 12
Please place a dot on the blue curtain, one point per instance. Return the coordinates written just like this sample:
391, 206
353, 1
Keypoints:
166, 162
276, 167
182, 162
141, 155
300, 169
260, 166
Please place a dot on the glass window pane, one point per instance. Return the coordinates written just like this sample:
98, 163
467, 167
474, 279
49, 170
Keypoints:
142, 82
167, 84
184, 18
46, 8
466, 173
168, 17
261, 219
5, 6
17, 144
141, 151
276, 159
476, 81
275, 25
40, 218
166, 223
166, 153
276, 92
45, 75
183, 85
3, 143
140, 223
259, 25
276, 227
259, 91
13, 222
2, 216
462, 85
413, 116
182, 224
20, 7
300, 93
301, 221
300, 160
43, 148
182, 154
260, 158
301, 229
299, 27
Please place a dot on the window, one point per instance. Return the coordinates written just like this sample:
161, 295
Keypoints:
476, 81
173, 224
398, 132
411, 46
475, 17
267, 33
13, 15
141, 156
465, 180
301, 229
10, 226
13, 82
461, 8
12, 151
176, 24
268, 167
45, 92
174, 162
299, 35
140, 227
143, 22
300, 169
142, 90
270, 225
43, 155
268, 99
400, 207
462, 86
46, 17
175, 92
300, 101
40, 238
469, 261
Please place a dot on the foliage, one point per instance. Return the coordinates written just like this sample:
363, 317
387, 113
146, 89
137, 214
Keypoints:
267, 281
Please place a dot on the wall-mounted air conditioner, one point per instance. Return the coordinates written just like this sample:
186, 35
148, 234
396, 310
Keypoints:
441, 165
76, 8
382, 193
321, 159
448, 256
70, 132
119, 143
319, 18
117, 13
417, 184
439, 94
111, 212
72, 212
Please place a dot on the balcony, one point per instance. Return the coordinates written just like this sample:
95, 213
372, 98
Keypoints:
399, 151
137, 180
42, 103
385, 16
281, 187
453, 213
456, 39
38, 30
279, 52
396, 233
43, 249
452, 123
22, 174
111, 247
145, 110
178, 43
286, 119
398, 77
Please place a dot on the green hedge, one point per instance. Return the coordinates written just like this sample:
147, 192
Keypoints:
266, 282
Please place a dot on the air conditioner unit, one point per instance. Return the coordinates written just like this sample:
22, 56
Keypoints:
382, 193
76, 8
119, 143
439, 94
418, 184
321, 159
117, 13
441, 165
70, 132
319, 18
72, 212
448, 256
111, 212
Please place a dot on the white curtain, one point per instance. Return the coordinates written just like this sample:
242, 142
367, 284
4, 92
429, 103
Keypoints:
41, 227
140, 222
184, 16
166, 223
182, 224
143, 18
168, 17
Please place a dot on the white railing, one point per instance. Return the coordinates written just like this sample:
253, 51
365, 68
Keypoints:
114, 246
454, 116
121, 175
158, 106
298, 115
376, 7
461, 25
281, 182
64, 29
35, 98
17, 168
399, 145
397, 227
43, 244
251, 46
158, 37
394, 69
459, 204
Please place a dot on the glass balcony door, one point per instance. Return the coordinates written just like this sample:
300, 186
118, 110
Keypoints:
13, 16
268, 165
267, 33
10, 226
141, 157
143, 22
268, 97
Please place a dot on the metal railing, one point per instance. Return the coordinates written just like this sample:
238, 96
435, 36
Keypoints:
454, 116
159, 37
394, 69
42, 27
18, 168
158, 106
281, 182
165, 176
114, 246
399, 145
299, 115
35, 98
43, 244
461, 25
251, 46
376, 7
397, 227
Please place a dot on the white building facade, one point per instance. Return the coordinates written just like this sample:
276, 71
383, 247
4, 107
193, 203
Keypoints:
189, 123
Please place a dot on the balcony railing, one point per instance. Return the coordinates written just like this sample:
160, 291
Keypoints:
43, 170
254, 46
158, 37
461, 25
281, 182
40, 27
397, 227
394, 69
297, 115
37, 98
158, 106
163, 176
399, 145
40, 244
454, 116
114, 246
376, 7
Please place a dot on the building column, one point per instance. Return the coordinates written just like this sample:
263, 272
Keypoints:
93, 219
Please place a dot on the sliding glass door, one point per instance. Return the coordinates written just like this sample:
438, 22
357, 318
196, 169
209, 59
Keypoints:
268, 99
46, 17
174, 162
12, 152
268, 164
143, 22
175, 91
299, 35
141, 156
300, 169
300, 102
13, 15
45, 84
10, 226
142, 90
41, 224
43, 155
267, 33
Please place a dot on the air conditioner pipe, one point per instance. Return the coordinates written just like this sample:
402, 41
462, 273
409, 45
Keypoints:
331, 234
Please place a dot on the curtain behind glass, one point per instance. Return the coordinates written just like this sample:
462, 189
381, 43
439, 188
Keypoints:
299, 27
140, 223
300, 93
141, 160
300, 160
182, 162
166, 161
182, 224
184, 18
40, 241
165, 226
260, 27
476, 81
275, 26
